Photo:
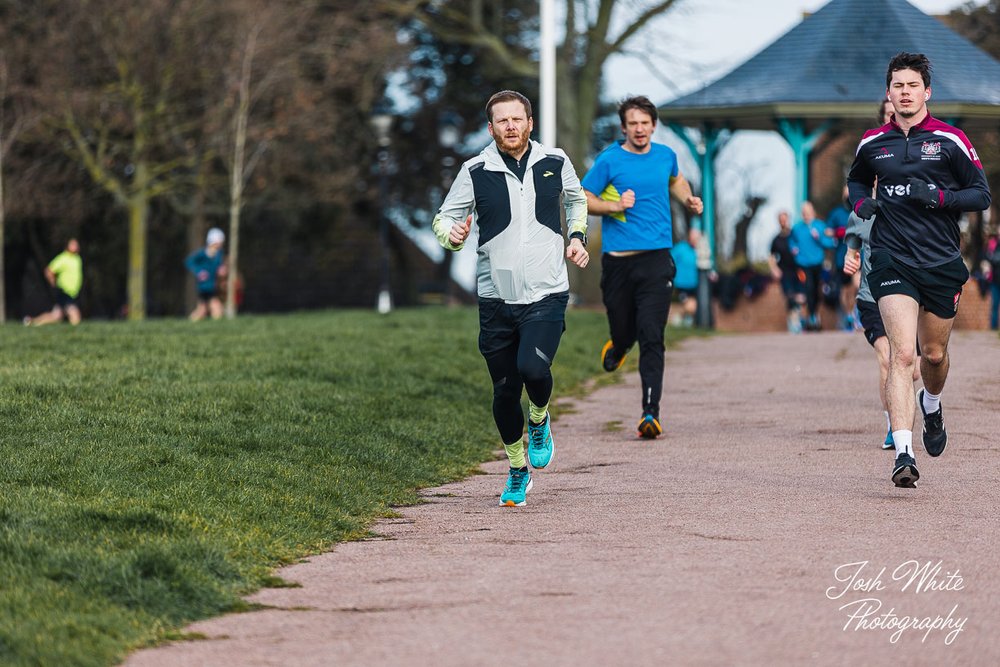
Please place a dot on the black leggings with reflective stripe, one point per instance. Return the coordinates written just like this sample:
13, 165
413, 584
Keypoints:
519, 351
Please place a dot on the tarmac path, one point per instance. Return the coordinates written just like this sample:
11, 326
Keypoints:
734, 539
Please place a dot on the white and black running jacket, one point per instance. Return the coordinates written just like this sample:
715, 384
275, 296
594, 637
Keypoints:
521, 248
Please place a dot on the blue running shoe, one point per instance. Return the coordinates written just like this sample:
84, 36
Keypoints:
516, 489
540, 444
889, 442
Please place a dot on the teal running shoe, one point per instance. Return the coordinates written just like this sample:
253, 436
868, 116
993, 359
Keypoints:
889, 442
516, 489
540, 444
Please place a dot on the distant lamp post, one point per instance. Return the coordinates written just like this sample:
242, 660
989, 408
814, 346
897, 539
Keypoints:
703, 255
381, 123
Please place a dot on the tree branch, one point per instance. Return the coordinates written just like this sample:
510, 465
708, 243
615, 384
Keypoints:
639, 24
91, 159
469, 30
644, 58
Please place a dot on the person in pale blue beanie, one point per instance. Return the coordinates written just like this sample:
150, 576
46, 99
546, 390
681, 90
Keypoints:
207, 264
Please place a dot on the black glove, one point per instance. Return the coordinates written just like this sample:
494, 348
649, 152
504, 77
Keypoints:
923, 192
867, 208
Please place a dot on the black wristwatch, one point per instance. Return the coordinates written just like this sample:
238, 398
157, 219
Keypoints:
581, 236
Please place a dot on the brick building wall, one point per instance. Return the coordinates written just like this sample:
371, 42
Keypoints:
828, 171
767, 312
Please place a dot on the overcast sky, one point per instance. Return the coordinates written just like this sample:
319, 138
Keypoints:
698, 41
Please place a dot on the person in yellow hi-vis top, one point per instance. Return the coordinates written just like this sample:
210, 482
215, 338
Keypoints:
65, 274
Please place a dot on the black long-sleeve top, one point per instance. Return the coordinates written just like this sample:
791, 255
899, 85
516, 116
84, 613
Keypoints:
936, 153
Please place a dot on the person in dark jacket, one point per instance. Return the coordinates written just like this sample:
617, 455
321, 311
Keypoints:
927, 173
781, 261
993, 260
810, 240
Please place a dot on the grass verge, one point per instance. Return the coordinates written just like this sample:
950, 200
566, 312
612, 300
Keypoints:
152, 474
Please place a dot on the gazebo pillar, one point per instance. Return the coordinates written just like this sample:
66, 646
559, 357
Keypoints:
704, 152
802, 142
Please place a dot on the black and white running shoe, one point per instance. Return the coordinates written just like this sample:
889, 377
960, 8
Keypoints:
935, 437
904, 472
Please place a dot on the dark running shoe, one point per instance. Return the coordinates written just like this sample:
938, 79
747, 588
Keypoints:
935, 437
649, 427
904, 472
610, 359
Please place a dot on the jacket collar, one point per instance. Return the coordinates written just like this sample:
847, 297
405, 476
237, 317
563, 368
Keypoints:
918, 126
495, 163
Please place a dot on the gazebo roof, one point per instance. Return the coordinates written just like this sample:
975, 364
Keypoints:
832, 65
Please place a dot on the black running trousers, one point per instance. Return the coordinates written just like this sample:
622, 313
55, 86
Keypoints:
519, 342
637, 291
811, 286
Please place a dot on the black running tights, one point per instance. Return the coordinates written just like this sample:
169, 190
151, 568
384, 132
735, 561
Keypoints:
525, 363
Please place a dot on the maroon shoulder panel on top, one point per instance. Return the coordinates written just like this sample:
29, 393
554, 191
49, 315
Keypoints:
953, 133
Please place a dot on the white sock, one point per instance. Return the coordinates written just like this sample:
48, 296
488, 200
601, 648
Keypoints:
904, 442
931, 401
888, 424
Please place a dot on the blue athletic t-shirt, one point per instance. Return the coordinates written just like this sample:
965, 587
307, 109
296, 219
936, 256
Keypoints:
686, 262
810, 250
647, 225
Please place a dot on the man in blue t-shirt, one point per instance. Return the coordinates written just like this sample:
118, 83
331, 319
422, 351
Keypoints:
809, 240
629, 186
685, 255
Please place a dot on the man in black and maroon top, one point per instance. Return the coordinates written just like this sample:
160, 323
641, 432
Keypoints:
925, 174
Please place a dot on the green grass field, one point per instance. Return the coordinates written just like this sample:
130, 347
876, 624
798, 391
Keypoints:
152, 474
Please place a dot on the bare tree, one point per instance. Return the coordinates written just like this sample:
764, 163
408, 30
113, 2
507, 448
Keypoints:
742, 228
22, 121
590, 40
141, 179
5, 139
237, 171
737, 211
265, 48
174, 140
121, 123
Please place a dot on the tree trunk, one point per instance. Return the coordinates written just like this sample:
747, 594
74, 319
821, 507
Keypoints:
742, 231
196, 232
3, 218
574, 138
3, 204
234, 246
585, 101
138, 215
236, 184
